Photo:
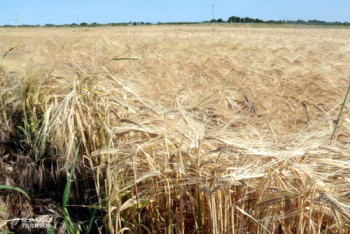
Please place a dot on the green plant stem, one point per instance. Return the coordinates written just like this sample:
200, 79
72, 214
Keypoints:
69, 224
340, 113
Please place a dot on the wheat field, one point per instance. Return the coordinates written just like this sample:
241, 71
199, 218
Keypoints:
175, 129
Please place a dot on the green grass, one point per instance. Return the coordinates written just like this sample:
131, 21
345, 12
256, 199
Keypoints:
9, 187
340, 113
72, 228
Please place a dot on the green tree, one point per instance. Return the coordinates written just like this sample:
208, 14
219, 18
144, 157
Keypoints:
248, 20
84, 24
94, 24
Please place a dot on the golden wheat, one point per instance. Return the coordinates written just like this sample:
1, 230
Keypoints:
210, 131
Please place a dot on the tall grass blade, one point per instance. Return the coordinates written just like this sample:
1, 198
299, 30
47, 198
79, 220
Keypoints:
340, 113
69, 224
92, 218
9, 50
15, 188
67, 188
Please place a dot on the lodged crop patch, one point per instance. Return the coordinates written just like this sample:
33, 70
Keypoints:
175, 129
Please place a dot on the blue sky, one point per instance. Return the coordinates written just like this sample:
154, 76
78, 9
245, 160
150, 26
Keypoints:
107, 11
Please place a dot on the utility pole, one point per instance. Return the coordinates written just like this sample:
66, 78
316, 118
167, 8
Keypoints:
213, 12
212, 28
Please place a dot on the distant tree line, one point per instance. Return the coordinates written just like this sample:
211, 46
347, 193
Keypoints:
73, 25
236, 19
232, 19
